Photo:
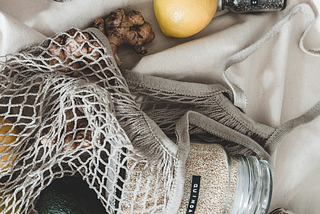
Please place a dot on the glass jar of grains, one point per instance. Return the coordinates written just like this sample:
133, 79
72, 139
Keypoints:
218, 183
245, 6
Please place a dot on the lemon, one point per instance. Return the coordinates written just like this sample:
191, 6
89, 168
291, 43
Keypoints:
3, 207
7, 127
184, 18
3, 140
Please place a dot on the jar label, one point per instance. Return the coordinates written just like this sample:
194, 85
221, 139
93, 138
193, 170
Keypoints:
254, 2
194, 194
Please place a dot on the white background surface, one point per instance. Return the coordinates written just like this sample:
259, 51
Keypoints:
280, 80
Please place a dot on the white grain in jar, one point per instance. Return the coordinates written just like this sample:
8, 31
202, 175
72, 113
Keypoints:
216, 193
226, 184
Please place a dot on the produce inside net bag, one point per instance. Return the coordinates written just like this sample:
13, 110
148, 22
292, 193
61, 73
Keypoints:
68, 110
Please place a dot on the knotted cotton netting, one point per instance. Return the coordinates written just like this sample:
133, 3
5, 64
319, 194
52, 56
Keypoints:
68, 98
77, 114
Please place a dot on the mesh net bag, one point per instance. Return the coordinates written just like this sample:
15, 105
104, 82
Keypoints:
167, 101
63, 102
67, 110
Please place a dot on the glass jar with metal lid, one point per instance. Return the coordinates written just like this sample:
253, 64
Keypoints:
219, 183
245, 6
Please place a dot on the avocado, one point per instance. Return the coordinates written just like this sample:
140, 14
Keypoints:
69, 195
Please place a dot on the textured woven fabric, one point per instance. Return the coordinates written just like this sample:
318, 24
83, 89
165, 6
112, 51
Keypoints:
167, 101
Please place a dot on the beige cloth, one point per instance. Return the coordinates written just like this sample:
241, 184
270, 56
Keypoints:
280, 79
